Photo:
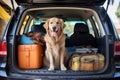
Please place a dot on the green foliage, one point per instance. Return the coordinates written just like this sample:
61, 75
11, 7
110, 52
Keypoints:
69, 28
118, 12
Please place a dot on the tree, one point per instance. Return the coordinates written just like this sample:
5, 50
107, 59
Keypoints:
118, 12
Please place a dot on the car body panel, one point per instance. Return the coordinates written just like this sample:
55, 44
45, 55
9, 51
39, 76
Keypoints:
12, 72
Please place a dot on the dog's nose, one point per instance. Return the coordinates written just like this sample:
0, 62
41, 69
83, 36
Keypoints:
54, 28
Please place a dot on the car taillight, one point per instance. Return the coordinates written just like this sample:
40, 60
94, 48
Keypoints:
117, 48
3, 48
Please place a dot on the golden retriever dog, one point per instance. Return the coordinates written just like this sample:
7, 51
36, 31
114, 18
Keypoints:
55, 44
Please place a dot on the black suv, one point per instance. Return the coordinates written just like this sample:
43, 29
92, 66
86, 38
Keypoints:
32, 13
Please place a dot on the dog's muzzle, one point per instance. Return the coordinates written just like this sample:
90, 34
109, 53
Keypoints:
54, 31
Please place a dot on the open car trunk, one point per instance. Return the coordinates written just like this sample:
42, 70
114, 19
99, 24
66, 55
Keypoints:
19, 64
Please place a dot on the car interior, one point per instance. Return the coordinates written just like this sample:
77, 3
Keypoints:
82, 31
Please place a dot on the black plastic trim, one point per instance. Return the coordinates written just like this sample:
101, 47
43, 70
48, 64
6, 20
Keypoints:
84, 2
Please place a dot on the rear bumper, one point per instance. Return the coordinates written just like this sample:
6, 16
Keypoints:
40, 77
14, 76
48, 78
6, 78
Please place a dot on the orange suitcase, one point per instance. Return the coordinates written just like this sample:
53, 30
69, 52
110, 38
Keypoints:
30, 56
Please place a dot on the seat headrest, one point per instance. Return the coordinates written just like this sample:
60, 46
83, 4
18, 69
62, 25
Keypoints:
38, 28
81, 28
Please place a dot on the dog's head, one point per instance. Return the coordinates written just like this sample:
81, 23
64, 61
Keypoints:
54, 25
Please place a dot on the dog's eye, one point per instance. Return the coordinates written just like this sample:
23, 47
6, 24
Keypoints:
51, 22
57, 22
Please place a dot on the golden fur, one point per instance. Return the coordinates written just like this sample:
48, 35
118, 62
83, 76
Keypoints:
55, 44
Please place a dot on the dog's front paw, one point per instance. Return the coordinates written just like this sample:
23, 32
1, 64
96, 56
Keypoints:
63, 68
51, 68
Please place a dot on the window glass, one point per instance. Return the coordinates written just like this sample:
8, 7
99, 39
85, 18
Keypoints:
90, 27
96, 25
31, 24
24, 24
69, 27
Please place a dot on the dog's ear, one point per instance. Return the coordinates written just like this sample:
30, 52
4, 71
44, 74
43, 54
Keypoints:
46, 25
62, 23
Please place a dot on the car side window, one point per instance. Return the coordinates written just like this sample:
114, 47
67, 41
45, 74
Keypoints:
91, 31
25, 23
69, 26
94, 29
